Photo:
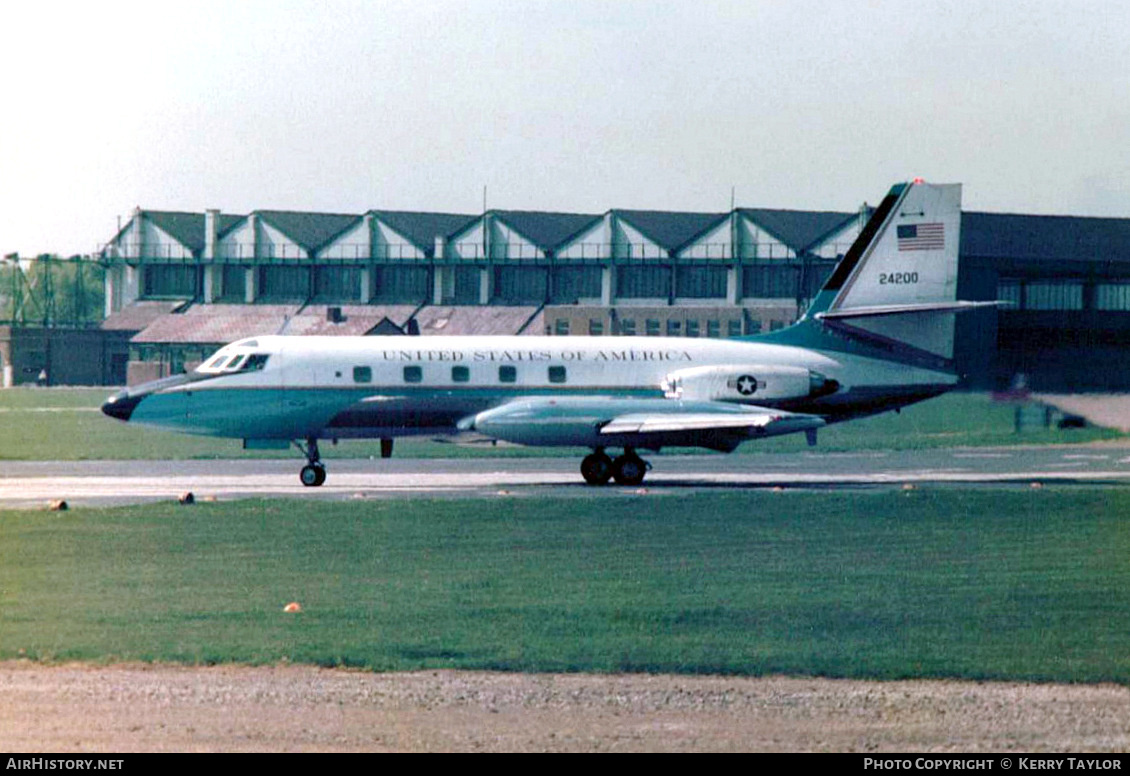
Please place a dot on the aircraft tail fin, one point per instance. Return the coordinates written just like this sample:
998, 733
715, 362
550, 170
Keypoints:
896, 287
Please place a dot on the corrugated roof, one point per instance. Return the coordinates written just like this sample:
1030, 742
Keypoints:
358, 319
216, 324
1007, 235
310, 230
797, 229
546, 230
422, 229
670, 230
138, 315
467, 319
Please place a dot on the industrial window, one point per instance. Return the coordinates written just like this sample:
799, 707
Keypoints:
362, 374
1053, 295
413, 374
573, 282
596, 327
507, 374
557, 374
234, 282
520, 285
337, 284
170, 280
652, 327
643, 281
402, 283
1008, 290
1112, 296
692, 328
674, 328
561, 327
713, 329
770, 280
460, 374
467, 281
277, 282
701, 281
628, 327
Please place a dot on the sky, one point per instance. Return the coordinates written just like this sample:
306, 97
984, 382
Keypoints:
554, 105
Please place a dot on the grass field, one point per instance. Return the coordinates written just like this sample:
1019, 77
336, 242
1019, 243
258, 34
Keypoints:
64, 424
976, 583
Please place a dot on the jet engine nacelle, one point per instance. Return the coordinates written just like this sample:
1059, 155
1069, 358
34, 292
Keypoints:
751, 382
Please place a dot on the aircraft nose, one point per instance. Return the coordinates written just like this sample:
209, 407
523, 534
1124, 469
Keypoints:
121, 405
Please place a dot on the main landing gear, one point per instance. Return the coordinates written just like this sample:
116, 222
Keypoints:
313, 473
627, 469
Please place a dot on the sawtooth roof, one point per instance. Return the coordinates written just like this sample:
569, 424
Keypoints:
188, 228
668, 229
798, 229
546, 230
312, 231
422, 229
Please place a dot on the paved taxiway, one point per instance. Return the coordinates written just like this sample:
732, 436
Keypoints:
103, 483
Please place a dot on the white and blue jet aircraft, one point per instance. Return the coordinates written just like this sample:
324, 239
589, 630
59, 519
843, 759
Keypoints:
877, 337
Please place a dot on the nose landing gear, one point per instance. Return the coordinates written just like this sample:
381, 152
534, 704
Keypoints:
313, 473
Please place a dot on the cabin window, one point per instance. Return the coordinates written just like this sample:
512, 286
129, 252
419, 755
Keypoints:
460, 374
362, 374
596, 327
734, 328
413, 374
713, 329
692, 328
628, 327
561, 327
652, 327
508, 374
557, 374
674, 328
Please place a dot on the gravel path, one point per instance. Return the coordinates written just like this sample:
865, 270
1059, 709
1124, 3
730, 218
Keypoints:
128, 708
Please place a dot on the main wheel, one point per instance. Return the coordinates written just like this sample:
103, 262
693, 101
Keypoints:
628, 470
312, 475
596, 468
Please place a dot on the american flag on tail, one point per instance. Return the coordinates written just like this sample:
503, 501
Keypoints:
922, 237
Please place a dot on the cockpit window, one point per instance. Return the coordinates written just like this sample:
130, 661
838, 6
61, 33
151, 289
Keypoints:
229, 363
254, 362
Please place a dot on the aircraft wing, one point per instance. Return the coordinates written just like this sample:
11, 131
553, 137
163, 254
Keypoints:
757, 418
648, 423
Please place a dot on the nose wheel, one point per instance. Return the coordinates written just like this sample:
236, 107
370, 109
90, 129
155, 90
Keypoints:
313, 473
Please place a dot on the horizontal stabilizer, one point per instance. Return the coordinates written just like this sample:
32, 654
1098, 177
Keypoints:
906, 309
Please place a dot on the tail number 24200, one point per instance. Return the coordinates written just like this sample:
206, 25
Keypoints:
898, 278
